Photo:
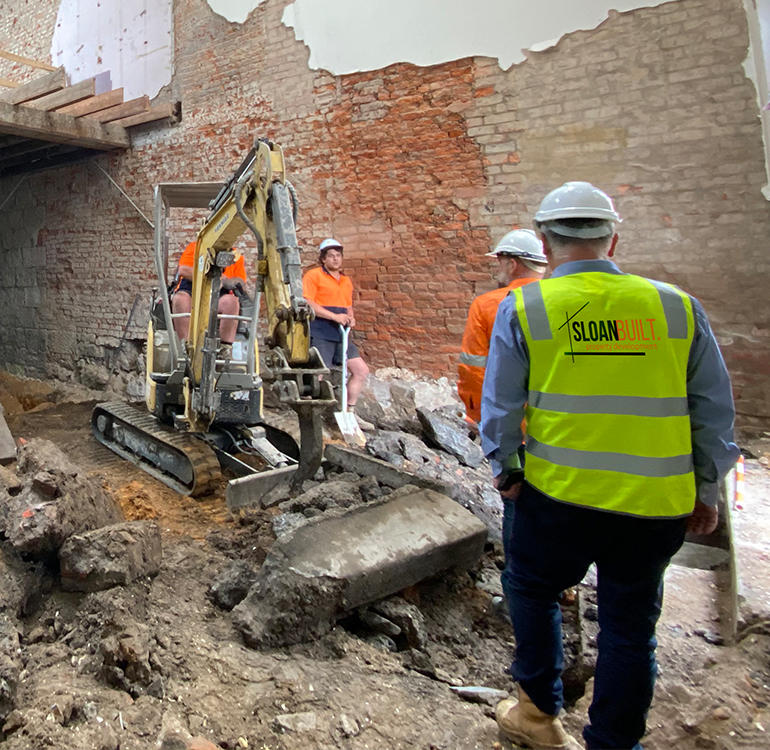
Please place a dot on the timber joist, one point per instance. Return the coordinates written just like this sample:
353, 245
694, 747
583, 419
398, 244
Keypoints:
46, 123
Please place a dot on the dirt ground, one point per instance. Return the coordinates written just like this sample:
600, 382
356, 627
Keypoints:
191, 672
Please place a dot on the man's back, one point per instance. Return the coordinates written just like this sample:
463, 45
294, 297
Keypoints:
608, 392
475, 345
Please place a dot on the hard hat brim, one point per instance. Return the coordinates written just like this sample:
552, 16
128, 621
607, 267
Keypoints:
606, 229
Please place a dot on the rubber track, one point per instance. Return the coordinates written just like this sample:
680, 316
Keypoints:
206, 471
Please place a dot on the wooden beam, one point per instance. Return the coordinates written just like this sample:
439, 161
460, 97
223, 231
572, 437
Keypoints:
94, 104
26, 60
156, 112
38, 87
58, 128
8, 83
67, 95
131, 107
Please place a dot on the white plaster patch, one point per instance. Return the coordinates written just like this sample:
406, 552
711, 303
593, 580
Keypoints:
348, 36
131, 38
236, 11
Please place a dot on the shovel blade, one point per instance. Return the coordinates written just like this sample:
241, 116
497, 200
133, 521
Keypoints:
350, 429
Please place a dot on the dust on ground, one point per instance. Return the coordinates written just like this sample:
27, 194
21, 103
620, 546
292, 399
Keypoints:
122, 668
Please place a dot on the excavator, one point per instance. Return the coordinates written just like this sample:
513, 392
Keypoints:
204, 408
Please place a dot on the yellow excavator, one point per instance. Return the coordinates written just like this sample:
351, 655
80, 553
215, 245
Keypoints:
204, 409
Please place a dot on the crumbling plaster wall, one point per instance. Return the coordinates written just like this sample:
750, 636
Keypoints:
419, 169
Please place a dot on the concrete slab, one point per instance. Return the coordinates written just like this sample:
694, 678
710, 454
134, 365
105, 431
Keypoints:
384, 548
326, 568
7, 443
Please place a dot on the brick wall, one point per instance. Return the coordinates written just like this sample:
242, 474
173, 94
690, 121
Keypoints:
26, 28
418, 170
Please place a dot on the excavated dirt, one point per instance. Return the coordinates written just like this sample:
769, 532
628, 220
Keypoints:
153, 663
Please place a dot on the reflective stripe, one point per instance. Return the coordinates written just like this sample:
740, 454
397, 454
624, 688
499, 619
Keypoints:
644, 466
474, 360
640, 406
673, 307
537, 317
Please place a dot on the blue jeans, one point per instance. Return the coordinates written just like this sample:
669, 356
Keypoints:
550, 548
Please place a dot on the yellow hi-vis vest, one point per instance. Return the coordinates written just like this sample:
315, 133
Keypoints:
608, 421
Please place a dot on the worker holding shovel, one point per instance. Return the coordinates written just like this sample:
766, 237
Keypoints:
329, 291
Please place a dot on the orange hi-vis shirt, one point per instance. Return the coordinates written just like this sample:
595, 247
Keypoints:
475, 346
235, 271
321, 287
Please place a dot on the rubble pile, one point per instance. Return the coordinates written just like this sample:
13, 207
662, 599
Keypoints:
57, 524
238, 631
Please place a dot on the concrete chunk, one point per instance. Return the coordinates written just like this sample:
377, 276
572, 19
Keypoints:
110, 556
336, 564
7, 443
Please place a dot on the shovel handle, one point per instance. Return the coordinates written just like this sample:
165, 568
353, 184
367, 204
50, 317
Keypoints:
344, 331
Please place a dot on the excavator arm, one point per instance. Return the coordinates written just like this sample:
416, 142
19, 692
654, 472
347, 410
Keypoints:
259, 199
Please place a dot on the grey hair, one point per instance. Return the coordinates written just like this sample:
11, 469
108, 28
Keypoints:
532, 266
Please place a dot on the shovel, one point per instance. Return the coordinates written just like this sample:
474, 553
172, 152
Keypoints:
346, 420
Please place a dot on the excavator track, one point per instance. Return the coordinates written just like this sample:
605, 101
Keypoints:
180, 460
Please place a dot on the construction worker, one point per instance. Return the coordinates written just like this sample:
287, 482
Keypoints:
329, 291
629, 432
181, 300
520, 260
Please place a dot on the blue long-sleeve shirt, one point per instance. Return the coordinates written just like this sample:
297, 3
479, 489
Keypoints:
709, 395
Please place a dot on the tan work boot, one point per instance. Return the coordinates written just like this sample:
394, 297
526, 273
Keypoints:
525, 724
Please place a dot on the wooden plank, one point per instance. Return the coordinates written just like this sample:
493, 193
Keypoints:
26, 60
131, 107
94, 104
156, 112
57, 128
67, 95
46, 84
8, 83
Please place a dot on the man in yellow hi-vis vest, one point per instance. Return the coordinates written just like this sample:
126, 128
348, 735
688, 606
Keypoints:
630, 428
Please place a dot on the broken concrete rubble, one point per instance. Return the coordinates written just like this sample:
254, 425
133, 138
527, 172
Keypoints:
412, 535
407, 617
382, 470
55, 501
443, 434
110, 556
389, 405
232, 584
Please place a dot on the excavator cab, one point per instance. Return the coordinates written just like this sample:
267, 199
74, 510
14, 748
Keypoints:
204, 410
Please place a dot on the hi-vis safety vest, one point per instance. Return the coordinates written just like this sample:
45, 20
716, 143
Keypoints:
609, 426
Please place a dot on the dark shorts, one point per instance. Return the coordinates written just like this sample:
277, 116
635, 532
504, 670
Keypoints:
331, 351
185, 285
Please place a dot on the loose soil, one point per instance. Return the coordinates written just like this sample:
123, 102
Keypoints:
183, 667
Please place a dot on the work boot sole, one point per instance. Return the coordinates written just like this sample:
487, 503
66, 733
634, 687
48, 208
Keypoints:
524, 741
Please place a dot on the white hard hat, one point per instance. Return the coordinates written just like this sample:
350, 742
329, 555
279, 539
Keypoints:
578, 200
523, 243
330, 244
